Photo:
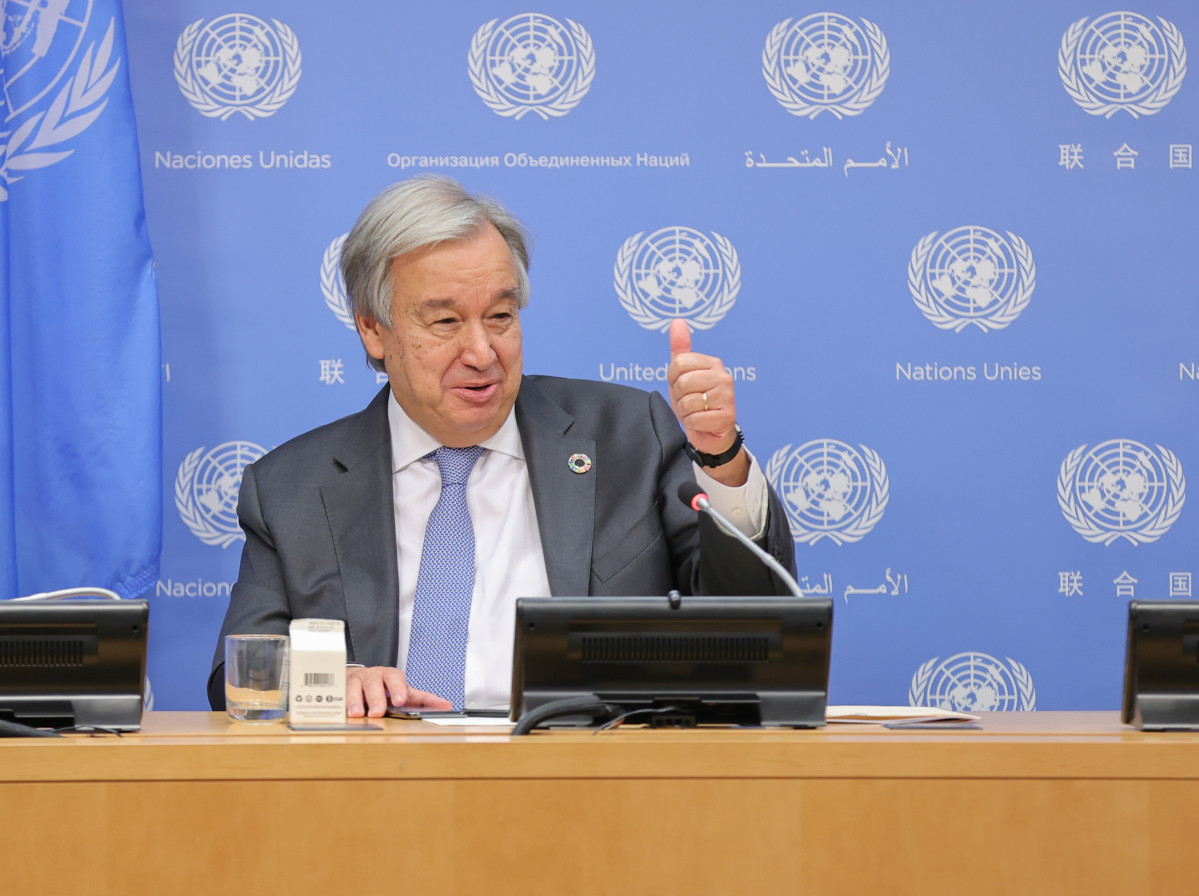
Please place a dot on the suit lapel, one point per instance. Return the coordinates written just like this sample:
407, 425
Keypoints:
358, 507
361, 516
565, 500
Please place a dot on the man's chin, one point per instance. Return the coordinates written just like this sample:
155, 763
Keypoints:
473, 425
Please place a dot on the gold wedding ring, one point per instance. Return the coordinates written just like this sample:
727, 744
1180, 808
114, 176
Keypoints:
705, 396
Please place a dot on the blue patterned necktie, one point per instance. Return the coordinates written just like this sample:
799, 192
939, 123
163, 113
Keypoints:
445, 583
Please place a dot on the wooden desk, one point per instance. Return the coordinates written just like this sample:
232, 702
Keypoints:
1056, 803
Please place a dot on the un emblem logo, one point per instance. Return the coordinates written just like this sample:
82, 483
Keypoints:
334, 286
206, 489
51, 87
531, 63
973, 682
1121, 489
826, 63
971, 275
237, 63
1122, 61
830, 490
677, 272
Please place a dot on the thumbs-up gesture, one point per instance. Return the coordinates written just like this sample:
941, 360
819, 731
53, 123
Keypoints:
701, 394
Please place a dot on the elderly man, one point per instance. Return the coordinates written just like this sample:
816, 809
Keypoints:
465, 484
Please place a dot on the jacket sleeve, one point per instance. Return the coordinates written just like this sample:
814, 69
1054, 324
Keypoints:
258, 602
707, 560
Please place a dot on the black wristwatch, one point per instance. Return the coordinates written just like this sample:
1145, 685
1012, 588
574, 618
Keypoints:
716, 460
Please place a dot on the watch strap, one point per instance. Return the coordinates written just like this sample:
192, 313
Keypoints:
716, 460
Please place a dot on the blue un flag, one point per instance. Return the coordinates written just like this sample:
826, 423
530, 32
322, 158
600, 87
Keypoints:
80, 388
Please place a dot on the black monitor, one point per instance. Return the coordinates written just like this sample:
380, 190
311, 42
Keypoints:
1161, 665
672, 661
73, 663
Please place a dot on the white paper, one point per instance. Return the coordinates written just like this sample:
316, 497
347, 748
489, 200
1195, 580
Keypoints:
470, 722
874, 714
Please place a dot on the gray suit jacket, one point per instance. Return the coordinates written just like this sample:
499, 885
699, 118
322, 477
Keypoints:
320, 527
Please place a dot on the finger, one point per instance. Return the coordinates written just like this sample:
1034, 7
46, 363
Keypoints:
354, 702
689, 379
361, 683
426, 700
377, 688
375, 692
680, 337
692, 385
401, 693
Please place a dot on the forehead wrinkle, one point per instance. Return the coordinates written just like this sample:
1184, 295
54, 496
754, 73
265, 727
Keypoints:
438, 303
511, 293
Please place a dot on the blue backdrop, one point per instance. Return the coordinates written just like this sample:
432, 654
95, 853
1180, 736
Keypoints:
944, 248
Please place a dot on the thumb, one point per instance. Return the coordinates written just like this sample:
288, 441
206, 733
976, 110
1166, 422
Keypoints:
680, 337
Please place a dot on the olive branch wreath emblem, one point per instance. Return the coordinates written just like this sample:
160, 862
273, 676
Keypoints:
1155, 101
1153, 528
855, 104
861, 524
560, 105
332, 286
1003, 315
185, 500
271, 100
712, 314
37, 141
918, 692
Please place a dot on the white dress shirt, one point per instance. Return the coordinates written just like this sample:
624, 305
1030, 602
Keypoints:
509, 560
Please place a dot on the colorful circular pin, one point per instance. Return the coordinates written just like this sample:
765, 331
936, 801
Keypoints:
579, 463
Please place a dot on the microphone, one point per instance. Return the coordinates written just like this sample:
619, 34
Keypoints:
693, 496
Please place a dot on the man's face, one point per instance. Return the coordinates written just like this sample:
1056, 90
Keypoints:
453, 352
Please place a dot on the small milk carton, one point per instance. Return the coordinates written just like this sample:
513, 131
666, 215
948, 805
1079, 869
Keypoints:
317, 692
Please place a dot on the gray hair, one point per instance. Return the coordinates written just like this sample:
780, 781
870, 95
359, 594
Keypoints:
413, 214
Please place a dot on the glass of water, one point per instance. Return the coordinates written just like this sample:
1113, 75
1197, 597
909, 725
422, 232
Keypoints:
256, 677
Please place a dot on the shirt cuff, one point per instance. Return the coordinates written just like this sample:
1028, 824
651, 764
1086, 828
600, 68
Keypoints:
745, 506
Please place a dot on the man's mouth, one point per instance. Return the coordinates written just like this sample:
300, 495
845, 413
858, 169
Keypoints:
476, 392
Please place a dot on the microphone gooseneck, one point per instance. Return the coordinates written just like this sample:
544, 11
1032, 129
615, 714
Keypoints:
694, 497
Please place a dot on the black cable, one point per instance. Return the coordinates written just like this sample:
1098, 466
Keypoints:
16, 729
582, 704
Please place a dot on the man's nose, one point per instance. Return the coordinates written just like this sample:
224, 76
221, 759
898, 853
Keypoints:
476, 346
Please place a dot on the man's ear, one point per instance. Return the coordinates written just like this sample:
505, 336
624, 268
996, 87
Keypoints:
371, 332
